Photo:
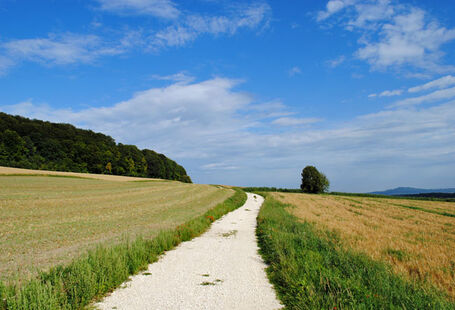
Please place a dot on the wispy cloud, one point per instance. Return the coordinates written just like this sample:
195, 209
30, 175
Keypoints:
336, 62
440, 83
181, 77
294, 71
294, 121
159, 8
72, 48
193, 26
435, 96
393, 35
387, 93
60, 49
5, 64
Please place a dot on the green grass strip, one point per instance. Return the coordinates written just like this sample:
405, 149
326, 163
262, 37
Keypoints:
443, 213
392, 197
103, 269
311, 270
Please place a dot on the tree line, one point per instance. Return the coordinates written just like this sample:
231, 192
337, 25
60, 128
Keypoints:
36, 144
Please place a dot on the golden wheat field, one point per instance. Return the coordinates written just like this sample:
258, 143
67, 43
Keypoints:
416, 237
48, 220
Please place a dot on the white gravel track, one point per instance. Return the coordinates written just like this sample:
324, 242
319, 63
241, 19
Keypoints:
219, 270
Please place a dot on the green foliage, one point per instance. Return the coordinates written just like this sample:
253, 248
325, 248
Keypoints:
272, 189
311, 270
313, 181
35, 144
105, 268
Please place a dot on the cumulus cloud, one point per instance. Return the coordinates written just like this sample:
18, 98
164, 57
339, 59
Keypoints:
393, 35
440, 83
159, 8
220, 134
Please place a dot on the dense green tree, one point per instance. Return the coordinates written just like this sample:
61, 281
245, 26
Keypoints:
36, 144
313, 181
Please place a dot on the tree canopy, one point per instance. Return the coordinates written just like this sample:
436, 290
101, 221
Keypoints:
35, 144
313, 181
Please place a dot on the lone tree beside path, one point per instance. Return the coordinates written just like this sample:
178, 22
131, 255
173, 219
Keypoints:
313, 181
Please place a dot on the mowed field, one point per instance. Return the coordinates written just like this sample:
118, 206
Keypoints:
416, 237
49, 220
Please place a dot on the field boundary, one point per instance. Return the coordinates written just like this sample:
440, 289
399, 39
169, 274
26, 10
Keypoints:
105, 268
299, 191
310, 269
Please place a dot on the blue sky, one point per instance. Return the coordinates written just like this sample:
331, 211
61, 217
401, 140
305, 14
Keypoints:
247, 92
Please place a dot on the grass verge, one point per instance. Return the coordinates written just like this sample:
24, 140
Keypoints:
310, 269
105, 268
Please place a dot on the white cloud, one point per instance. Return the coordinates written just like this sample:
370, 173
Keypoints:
294, 71
390, 93
332, 7
394, 35
181, 77
438, 95
222, 136
440, 83
159, 8
60, 49
5, 64
294, 121
219, 166
70, 48
193, 26
336, 62
387, 93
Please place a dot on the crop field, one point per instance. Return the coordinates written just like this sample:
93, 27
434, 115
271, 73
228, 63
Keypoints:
416, 237
9, 171
49, 220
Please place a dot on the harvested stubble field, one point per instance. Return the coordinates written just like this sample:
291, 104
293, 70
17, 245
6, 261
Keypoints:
49, 220
416, 237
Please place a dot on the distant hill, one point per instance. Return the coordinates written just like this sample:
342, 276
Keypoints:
35, 144
403, 191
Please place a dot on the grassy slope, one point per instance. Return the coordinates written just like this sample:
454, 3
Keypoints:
311, 270
50, 220
106, 267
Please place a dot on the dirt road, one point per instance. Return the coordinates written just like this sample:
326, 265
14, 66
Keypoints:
219, 270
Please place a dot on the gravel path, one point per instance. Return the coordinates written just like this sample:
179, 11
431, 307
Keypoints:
219, 270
